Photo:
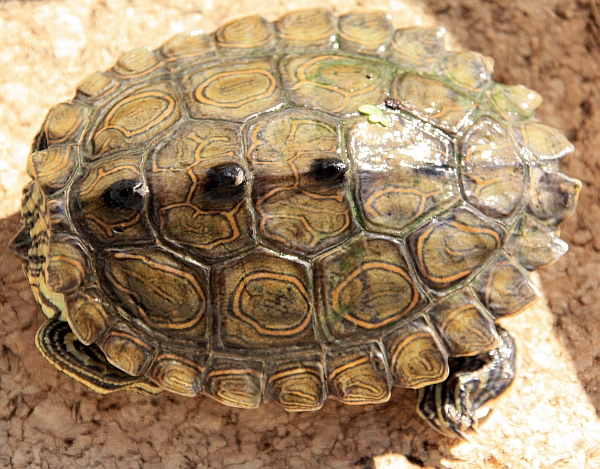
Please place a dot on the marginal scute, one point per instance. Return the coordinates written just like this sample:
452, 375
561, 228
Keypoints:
469, 70
137, 63
235, 383
67, 266
534, 245
417, 48
552, 195
403, 173
136, 118
358, 375
545, 143
363, 287
493, 174
306, 30
296, 383
96, 86
448, 249
302, 208
504, 289
127, 348
247, 35
107, 201
88, 314
192, 45
232, 91
312, 80
58, 218
178, 371
415, 357
465, 328
52, 168
187, 205
66, 123
514, 102
164, 292
365, 32
263, 301
433, 101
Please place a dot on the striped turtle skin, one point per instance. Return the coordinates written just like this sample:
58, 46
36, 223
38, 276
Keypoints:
316, 207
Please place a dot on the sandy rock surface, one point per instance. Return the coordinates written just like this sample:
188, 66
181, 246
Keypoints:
550, 419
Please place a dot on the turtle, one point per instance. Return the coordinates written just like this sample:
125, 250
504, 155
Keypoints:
287, 211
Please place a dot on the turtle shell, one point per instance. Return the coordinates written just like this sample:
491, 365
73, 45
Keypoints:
287, 211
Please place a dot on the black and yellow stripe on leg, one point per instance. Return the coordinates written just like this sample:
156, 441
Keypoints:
85, 363
451, 407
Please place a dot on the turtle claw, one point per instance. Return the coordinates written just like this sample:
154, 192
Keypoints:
452, 407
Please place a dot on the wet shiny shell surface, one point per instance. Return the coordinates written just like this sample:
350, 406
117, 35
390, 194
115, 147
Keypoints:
216, 216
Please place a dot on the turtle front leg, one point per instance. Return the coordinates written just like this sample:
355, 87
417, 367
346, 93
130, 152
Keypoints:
454, 406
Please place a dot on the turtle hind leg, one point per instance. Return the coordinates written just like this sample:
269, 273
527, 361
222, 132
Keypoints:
454, 407
85, 363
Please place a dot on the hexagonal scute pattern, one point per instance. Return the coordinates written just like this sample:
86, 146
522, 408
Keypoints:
263, 301
288, 210
364, 286
198, 184
402, 173
298, 191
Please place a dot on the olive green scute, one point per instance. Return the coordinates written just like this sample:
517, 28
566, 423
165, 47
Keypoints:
187, 48
533, 244
88, 314
67, 264
513, 102
403, 173
191, 204
96, 86
54, 167
246, 36
433, 101
363, 287
298, 195
167, 294
464, 326
469, 70
493, 175
306, 30
365, 32
66, 123
415, 356
137, 117
127, 348
178, 371
552, 196
504, 289
417, 48
358, 374
108, 200
297, 383
58, 217
235, 383
138, 63
448, 249
545, 143
263, 301
312, 80
233, 90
